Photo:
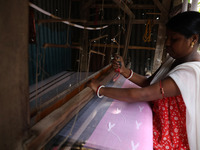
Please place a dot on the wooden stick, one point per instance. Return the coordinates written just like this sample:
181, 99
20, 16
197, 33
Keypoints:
95, 52
46, 45
101, 37
60, 20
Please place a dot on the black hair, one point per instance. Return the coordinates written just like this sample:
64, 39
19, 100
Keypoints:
186, 23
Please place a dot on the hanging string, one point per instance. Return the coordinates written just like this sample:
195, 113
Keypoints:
78, 81
147, 34
66, 22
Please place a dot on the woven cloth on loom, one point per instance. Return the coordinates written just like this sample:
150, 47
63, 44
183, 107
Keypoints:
124, 126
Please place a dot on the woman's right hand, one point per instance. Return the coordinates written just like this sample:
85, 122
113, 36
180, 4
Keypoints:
118, 63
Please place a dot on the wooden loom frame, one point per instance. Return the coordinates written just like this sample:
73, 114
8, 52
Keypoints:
70, 105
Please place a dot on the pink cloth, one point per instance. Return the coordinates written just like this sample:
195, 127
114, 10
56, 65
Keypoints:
124, 126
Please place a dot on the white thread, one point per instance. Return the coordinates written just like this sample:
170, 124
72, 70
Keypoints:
110, 126
130, 75
100, 96
66, 22
138, 125
141, 108
134, 147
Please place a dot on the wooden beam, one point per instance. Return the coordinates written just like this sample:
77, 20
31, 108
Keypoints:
135, 21
84, 14
60, 20
160, 39
46, 45
124, 7
122, 46
132, 7
127, 38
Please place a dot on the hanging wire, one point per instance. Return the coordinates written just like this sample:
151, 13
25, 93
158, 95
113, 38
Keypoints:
66, 22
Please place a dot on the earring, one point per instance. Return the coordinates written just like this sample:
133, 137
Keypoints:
192, 45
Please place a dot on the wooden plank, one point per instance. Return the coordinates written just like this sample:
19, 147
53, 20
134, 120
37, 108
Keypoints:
131, 47
48, 127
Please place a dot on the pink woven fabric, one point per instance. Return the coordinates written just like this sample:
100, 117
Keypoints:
125, 126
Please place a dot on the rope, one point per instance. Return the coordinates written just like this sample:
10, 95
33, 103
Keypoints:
147, 34
66, 22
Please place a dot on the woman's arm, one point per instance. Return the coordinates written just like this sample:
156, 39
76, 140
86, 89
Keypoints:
140, 80
149, 93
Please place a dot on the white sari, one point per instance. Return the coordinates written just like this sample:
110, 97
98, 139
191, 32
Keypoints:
187, 78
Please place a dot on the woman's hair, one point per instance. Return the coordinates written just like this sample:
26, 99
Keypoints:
186, 23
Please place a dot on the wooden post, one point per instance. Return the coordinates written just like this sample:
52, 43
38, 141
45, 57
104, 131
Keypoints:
194, 5
84, 38
128, 36
161, 34
159, 47
126, 9
185, 5
14, 115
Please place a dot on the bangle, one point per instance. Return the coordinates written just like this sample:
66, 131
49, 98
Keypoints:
131, 74
98, 89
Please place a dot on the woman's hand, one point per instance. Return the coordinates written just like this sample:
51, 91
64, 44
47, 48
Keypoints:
118, 63
93, 84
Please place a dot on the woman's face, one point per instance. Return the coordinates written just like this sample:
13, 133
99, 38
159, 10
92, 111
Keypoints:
177, 45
